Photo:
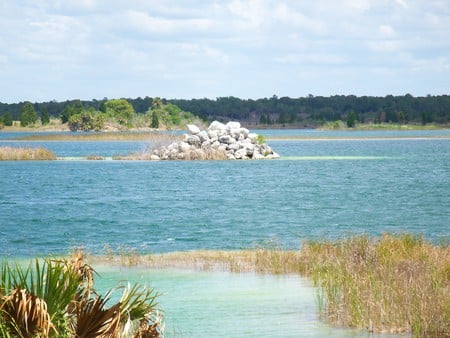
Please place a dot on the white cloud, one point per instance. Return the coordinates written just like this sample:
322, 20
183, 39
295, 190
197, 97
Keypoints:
402, 3
194, 48
289, 16
313, 59
253, 13
148, 24
386, 31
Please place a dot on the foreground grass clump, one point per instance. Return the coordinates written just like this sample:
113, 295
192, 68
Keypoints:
390, 284
26, 154
56, 298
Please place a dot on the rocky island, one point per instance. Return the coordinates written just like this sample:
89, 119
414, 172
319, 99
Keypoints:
219, 142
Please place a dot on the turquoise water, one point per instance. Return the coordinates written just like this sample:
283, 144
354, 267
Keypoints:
221, 304
319, 188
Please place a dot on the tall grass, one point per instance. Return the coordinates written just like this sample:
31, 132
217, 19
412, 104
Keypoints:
151, 136
25, 154
392, 283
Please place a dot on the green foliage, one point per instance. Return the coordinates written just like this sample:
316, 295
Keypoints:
168, 115
261, 139
7, 119
310, 110
45, 118
70, 110
55, 298
155, 119
87, 120
120, 110
28, 115
401, 118
137, 301
351, 119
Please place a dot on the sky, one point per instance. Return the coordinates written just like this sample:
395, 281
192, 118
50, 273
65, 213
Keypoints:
92, 49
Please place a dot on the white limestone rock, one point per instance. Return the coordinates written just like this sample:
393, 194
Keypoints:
233, 125
230, 140
193, 129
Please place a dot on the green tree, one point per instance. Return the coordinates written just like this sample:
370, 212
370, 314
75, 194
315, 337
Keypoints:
72, 109
87, 120
351, 119
121, 110
7, 119
45, 118
401, 118
28, 115
157, 103
155, 120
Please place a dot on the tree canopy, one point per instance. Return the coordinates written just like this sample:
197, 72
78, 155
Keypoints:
167, 115
28, 115
119, 109
302, 111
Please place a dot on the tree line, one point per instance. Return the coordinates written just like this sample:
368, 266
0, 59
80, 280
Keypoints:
301, 112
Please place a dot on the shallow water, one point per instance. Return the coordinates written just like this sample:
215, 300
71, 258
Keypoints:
222, 304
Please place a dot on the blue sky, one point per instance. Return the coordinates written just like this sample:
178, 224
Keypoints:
90, 49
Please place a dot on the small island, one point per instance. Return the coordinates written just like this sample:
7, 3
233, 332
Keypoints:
219, 142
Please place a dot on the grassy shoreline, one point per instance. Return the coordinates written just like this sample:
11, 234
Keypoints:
392, 283
162, 137
26, 154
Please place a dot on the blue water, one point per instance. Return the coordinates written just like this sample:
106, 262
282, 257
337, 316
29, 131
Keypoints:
322, 188
319, 188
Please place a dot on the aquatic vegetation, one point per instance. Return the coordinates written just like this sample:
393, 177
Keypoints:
150, 136
26, 154
56, 298
392, 283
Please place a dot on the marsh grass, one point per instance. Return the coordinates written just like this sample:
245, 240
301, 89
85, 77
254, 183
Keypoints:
150, 136
26, 154
392, 283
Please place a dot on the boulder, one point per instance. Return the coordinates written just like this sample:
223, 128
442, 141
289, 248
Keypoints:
193, 129
219, 141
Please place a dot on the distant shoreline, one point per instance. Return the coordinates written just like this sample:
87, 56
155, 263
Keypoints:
147, 134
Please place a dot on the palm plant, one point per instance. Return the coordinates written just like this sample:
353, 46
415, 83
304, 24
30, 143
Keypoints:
56, 298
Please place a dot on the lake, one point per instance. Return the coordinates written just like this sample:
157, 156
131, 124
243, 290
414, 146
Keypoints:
393, 181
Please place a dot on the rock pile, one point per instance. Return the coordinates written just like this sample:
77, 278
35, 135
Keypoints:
219, 142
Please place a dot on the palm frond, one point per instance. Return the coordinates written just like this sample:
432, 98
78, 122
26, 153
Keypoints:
138, 301
138, 307
26, 314
51, 281
93, 319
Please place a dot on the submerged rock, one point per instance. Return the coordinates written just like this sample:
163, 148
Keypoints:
219, 142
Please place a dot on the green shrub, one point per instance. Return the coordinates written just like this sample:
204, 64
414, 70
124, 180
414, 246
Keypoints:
56, 298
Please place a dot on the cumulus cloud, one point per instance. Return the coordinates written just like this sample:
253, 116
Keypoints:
193, 48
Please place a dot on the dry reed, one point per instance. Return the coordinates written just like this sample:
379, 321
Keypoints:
26, 154
101, 136
393, 283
